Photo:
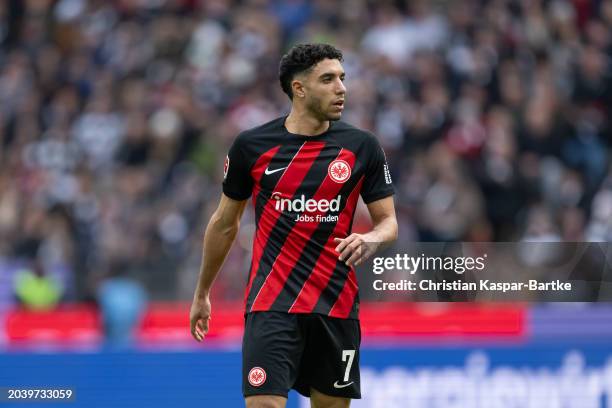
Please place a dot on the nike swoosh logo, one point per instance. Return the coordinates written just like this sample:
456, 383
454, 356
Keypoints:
268, 172
336, 385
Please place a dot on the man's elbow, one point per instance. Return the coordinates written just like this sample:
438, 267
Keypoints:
225, 227
230, 230
394, 230
388, 229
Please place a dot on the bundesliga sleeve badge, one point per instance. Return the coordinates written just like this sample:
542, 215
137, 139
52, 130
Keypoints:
225, 167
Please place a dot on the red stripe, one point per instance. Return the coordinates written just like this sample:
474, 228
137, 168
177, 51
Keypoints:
346, 299
259, 167
287, 185
257, 172
296, 241
324, 268
344, 304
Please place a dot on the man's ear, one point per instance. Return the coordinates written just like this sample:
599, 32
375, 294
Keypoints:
297, 87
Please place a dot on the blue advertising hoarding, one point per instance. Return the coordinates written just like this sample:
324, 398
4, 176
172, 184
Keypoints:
542, 375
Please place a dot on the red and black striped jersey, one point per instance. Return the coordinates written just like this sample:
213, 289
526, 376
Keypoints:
305, 190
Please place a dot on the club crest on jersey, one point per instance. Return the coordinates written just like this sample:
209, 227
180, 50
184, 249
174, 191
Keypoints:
257, 376
225, 167
339, 171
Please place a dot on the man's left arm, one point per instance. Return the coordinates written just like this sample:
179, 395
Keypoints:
356, 248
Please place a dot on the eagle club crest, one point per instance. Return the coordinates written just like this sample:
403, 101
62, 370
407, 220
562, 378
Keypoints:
339, 171
257, 376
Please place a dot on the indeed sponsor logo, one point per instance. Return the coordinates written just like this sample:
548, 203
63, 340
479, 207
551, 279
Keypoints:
301, 204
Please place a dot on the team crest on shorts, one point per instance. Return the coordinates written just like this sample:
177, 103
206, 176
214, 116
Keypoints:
225, 166
339, 171
257, 376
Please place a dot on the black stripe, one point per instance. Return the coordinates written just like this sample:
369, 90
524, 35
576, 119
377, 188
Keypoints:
283, 226
283, 155
332, 291
311, 253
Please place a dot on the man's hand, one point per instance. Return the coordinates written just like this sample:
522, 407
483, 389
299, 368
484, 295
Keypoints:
218, 238
199, 317
355, 249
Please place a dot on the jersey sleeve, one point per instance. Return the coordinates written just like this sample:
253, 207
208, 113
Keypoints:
377, 183
237, 180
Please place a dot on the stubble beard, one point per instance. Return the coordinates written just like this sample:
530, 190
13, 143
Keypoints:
316, 108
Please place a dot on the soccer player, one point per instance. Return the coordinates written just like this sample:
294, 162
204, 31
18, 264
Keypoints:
305, 172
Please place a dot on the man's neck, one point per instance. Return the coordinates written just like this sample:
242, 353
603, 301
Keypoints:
303, 124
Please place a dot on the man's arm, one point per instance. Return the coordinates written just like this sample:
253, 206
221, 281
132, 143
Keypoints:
356, 248
218, 238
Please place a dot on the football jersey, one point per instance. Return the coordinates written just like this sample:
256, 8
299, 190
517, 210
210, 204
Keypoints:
305, 191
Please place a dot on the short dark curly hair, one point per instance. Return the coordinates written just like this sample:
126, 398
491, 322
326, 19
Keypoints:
303, 57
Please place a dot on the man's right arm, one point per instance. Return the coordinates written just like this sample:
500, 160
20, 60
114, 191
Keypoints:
218, 238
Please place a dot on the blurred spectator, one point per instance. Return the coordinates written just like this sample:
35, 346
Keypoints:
122, 301
35, 290
115, 118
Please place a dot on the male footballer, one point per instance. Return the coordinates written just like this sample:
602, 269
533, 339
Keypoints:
305, 172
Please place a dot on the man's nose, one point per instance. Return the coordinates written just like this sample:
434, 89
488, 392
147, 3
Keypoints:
340, 88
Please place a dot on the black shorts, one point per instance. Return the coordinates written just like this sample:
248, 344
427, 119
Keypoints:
281, 351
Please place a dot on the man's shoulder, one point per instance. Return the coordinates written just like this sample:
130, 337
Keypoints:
344, 127
353, 135
272, 127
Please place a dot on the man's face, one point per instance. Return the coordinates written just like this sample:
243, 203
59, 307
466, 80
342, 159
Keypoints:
324, 90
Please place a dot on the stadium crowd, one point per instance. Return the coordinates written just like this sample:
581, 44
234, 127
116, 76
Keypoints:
115, 117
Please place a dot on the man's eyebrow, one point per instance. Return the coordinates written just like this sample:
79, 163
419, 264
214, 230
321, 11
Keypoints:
330, 74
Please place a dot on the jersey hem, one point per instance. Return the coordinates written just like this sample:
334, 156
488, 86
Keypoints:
235, 196
266, 392
378, 196
349, 317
